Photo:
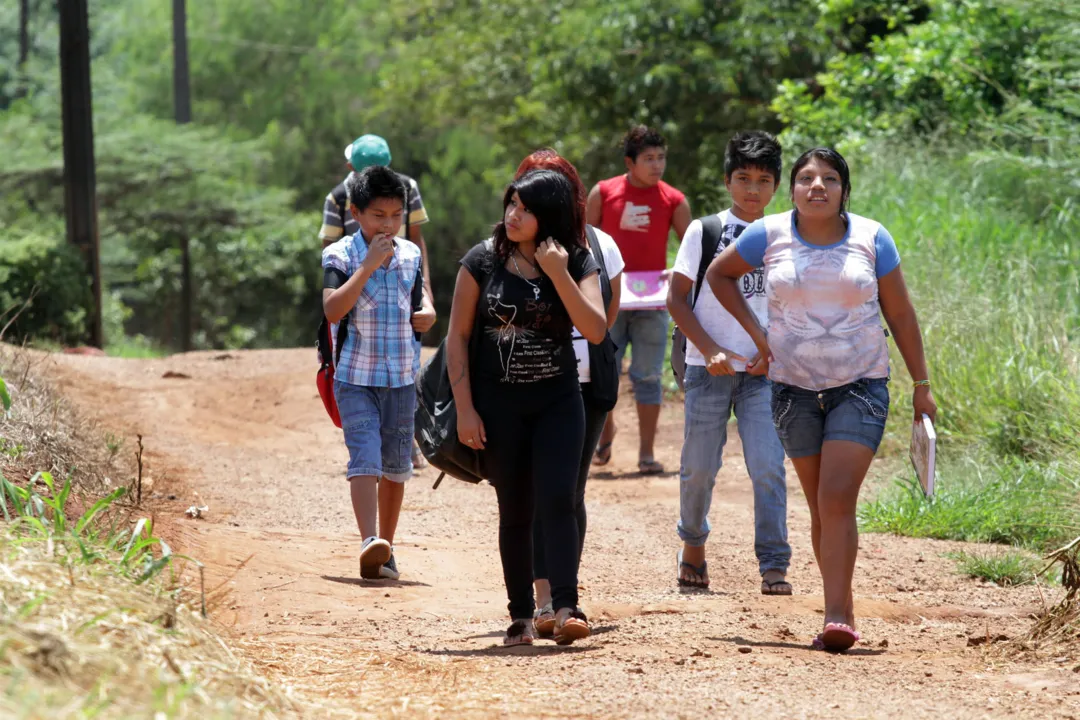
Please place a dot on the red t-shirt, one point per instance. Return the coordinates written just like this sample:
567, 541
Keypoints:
639, 219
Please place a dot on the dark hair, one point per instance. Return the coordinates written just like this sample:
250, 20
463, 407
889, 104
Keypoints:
753, 149
372, 183
835, 160
548, 159
549, 196
641, 138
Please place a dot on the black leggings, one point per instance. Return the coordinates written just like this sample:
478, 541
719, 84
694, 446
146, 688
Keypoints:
534, 441
594, 426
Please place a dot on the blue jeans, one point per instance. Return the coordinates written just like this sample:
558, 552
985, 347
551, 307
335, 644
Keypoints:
378, 425
647, 332
709, 403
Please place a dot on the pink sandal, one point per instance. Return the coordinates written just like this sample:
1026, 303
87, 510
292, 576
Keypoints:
836, 637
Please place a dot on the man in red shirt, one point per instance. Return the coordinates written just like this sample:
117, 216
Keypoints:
640, 210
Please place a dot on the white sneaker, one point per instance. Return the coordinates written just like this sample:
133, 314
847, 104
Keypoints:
373, 554
389, 569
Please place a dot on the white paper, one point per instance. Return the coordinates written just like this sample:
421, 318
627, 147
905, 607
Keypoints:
923, 453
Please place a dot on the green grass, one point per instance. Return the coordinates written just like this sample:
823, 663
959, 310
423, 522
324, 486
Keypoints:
138, 347
1010, 501
994, 278
96, 623
1011, 567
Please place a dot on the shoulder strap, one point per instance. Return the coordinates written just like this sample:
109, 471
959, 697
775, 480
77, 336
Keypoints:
711, 230
598, 255
341, 197
408, 192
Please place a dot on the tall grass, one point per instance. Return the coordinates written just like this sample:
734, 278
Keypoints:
95, 624
994, 272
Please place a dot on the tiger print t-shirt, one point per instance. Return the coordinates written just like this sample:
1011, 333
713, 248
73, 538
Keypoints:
525, 329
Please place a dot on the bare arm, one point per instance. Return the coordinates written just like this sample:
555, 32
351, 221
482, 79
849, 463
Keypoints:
678, 303
900, 315
723, 276
681, 219
462, 318
616, 300
417, 237
470, 427
338, 302
594, 207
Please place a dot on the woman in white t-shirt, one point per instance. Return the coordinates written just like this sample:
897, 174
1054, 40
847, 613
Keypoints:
829, 276
595, 414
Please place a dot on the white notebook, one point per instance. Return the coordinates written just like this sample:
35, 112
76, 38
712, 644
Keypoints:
923, 453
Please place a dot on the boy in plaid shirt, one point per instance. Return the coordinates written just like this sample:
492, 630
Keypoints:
370, 276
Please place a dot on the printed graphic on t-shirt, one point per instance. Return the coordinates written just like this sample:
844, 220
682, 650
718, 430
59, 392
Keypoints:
526, 355
753, 283
635, 217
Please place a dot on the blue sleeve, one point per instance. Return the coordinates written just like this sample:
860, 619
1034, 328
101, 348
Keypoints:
888, 259
751, 244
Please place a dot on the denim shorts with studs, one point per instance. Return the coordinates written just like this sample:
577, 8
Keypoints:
805, 419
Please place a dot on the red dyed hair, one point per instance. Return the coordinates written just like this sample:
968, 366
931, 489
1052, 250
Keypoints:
548, 159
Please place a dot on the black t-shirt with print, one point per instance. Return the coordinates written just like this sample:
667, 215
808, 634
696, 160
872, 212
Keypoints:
525, 327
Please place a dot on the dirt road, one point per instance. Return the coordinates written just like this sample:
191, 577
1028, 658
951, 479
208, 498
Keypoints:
245, 434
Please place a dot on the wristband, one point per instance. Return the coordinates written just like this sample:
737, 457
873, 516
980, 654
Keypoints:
921, 383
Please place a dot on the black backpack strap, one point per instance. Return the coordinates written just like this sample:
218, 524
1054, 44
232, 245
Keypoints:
341, 198
711, 231
598, 255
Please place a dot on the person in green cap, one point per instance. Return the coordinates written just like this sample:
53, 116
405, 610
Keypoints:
365, 151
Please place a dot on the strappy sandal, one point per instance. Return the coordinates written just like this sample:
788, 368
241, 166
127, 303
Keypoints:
602, 456
544, 622
520, 632
574, 626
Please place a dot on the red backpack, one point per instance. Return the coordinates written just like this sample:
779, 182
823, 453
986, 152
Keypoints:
328, 360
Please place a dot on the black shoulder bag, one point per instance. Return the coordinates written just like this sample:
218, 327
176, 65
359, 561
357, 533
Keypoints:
603, 371
436, 412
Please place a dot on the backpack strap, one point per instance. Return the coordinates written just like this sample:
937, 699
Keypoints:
711, 230
598, 255
341, 198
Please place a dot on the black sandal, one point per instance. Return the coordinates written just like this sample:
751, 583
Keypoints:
602, 456
520, 632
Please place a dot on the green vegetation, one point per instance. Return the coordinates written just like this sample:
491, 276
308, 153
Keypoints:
1003, 568
95, 600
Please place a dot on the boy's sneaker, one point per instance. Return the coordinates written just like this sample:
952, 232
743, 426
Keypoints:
389, 569
373, 554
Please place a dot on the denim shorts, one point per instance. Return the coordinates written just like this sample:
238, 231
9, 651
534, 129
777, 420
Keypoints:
646, 332
378, 424
805, 419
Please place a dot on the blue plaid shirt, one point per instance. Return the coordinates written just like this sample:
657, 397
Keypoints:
381, 349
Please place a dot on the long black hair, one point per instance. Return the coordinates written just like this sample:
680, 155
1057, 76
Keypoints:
549, 196
835, 160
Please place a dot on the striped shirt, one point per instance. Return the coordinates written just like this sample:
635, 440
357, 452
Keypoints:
333, 228
381, 349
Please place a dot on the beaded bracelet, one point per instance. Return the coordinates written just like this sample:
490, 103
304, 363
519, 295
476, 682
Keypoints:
918, 383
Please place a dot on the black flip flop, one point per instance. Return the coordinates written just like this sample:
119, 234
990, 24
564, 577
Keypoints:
700, 570
767, 588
